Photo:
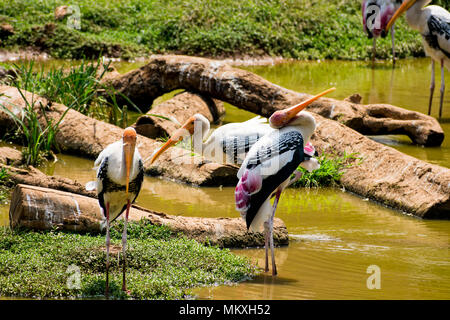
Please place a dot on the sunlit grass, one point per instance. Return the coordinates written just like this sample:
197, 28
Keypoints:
308, 29
160, 265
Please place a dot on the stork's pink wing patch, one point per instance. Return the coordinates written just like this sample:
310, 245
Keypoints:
249, 183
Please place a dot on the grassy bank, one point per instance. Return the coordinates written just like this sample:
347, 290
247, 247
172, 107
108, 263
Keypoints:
302, 29
160, 265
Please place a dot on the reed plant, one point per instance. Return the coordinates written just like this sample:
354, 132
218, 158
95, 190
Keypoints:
38, 136
79, 86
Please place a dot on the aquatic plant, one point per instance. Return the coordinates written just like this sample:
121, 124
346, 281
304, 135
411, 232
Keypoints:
39, 139
55, 264
77, 87
332, 167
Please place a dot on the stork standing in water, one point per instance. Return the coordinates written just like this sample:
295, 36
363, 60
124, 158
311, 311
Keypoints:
268, 168
228, 144
433, 23
376, 15
120, 175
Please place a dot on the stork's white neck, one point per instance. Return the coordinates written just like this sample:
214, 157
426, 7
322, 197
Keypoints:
414, 15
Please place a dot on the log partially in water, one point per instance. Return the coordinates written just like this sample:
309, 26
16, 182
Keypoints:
34, 177
181, 107
84, 136
248, 91
43, 209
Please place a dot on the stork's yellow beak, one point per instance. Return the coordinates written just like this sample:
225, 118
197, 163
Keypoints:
187, 128
404, 7
129, 145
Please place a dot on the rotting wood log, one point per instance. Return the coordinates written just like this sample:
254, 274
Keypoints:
85, 136
42, 209
248, 91
181, 107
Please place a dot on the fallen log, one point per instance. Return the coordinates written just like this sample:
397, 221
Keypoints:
43, 209
10, 156
84, 136
248, 91
181, 107
34, 177
386, 175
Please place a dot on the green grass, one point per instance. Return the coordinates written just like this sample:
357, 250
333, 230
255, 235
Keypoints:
332, 167
302, 29
160, 265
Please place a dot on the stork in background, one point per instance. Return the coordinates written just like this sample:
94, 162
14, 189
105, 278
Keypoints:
268, 168
120, 173
433, 23
376, 14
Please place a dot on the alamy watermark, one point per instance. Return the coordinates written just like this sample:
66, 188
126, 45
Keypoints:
74, 279
74, 17
373, 17
374, 280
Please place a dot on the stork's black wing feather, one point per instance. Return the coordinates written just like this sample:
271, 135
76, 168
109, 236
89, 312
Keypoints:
238, 146
439, 30
110, 186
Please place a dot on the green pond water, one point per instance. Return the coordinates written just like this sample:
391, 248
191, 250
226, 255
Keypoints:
335, 236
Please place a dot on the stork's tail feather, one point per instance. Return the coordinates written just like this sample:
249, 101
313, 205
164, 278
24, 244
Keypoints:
309, 149
91, 186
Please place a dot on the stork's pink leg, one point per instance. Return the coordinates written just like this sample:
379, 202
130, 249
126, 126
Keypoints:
272, 250
108, 241
431, 87
124, 246
374, 50
393, 44
442, 89
266, 244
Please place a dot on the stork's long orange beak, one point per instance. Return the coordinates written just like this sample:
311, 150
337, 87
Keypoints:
129, 145
282, 117
293, 111
187, 128
405, 6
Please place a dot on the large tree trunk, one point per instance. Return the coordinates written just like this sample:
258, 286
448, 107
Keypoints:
44, 209
84, 136
248, 91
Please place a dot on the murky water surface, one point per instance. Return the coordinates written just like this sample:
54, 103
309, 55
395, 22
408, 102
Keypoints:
335, 236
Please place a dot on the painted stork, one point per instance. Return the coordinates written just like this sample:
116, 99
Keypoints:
376, 14
433, 23
269, 165
120, 173
228, 144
